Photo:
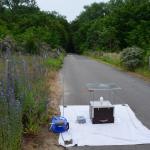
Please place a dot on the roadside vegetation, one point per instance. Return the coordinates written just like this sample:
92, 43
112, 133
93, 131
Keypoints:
104, 30
24, 96
32, 49
113, 26
32, 31
32, 44
114, 59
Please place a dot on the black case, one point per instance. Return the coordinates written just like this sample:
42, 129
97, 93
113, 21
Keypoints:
103, 115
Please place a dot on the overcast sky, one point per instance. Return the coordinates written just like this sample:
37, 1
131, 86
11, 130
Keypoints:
68, 8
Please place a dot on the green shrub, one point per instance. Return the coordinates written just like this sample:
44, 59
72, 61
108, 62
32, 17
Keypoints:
132, 57
54, 63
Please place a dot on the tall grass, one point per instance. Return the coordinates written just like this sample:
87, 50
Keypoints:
11, 111
23, 96
54, 63
114, 59
110, 58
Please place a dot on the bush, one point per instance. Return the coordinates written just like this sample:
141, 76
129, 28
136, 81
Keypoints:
132, 57
54, 63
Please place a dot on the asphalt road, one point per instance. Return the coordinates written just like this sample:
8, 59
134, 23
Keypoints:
79, 70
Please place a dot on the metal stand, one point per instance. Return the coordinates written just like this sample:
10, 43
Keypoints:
101, 111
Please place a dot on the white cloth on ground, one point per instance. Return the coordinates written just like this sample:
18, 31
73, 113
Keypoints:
127, 129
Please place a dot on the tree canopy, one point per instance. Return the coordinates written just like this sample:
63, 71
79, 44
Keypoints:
23, 21
110, 26
113, 26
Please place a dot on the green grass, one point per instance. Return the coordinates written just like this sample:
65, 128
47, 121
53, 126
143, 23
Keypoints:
54, 63
114, 60
1, 67
32, 89
145, 71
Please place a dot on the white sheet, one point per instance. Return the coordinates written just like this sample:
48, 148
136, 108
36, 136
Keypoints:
127, 129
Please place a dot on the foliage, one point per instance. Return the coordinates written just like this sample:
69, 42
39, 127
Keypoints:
23, 96
10, 126
110, 58
24, 92
54, 63
112, 26
132, 57
29, 27
11, 111
14, 4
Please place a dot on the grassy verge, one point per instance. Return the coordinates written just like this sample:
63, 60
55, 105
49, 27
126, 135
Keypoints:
47, 140
54, 63
114, 60
144, 71
25, 96
44, 139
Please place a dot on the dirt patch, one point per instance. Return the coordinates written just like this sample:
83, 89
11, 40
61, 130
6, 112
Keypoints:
43, 141
56, 91
46, 140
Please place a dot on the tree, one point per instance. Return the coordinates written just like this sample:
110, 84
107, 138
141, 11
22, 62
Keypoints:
13, 4
1, 6
30, 27
113, 26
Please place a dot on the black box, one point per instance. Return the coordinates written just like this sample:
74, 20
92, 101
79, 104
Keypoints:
101, 113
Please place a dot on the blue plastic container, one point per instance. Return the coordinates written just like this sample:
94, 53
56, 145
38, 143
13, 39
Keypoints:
58, 124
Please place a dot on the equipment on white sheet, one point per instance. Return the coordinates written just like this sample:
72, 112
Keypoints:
66, 138
101, 100
101, 111
58, 124
127, 129
81, 119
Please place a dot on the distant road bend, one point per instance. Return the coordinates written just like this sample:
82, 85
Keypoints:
80, 70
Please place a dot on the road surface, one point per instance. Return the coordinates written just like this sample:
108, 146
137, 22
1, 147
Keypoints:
79, 70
